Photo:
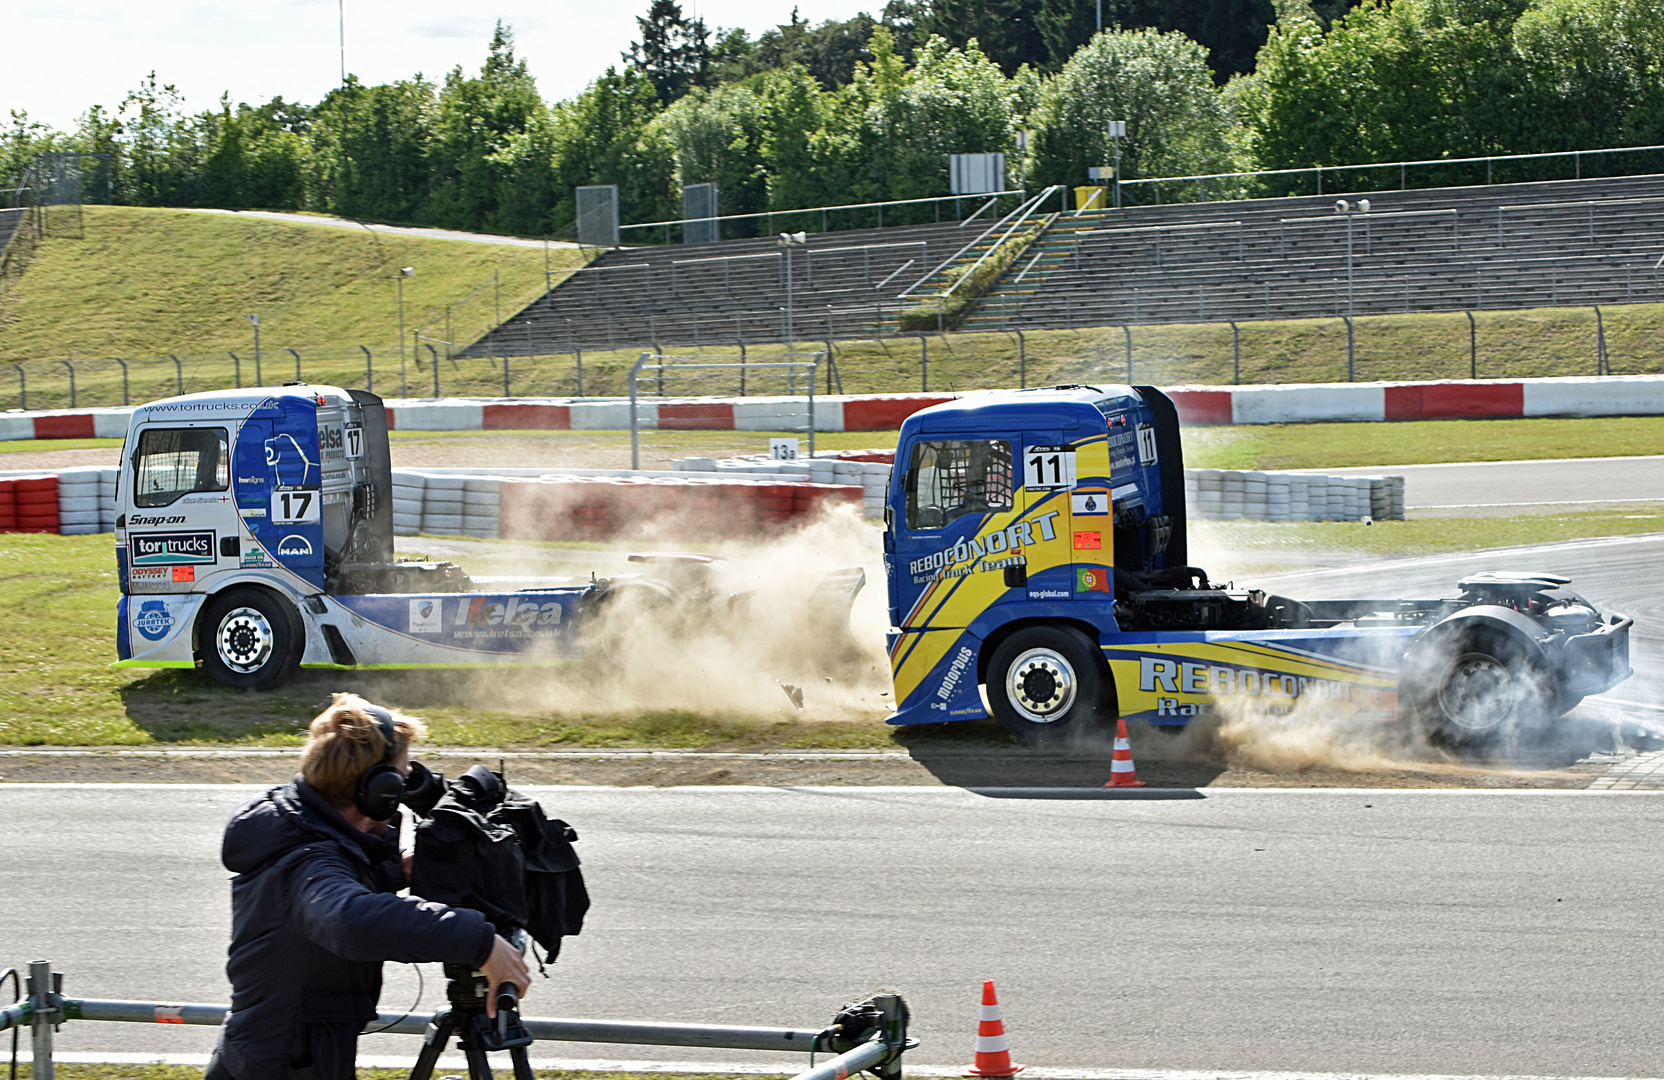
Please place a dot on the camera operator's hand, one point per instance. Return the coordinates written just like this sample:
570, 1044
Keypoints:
506, 965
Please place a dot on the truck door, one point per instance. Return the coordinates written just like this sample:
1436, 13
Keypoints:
948, 556
1041, 536
279, 488
180, 523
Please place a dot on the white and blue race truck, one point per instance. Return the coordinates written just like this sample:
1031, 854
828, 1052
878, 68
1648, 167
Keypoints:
254, 535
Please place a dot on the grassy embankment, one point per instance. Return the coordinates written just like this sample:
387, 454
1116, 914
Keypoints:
145, 283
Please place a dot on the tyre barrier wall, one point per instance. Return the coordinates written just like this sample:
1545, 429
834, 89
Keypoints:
601, 504
704, 499
867, 469
1210, 494
1286, 403
1229, 495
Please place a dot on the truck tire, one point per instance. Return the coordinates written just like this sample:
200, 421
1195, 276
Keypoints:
1047, 683
1475, 688
251, 639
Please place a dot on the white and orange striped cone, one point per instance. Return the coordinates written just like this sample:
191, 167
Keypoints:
1121, 771
993, 1056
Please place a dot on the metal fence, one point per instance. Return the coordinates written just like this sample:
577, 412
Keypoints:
865, 215
785, 389
1616, 339
1402, 175
877, 1046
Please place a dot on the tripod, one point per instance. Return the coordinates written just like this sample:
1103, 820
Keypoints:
476, 1032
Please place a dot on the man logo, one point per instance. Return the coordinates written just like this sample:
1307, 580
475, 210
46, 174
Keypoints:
293, 546
153, 620
427, 616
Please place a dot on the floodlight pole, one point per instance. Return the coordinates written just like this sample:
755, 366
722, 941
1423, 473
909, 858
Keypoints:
255, 319
1349, 209
788, 241
1117, 128
399, 277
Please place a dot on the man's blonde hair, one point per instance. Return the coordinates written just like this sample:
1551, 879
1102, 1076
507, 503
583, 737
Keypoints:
346, 742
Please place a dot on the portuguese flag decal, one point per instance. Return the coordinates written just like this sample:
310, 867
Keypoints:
1092, 579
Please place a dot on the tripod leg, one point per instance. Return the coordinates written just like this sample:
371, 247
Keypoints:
522, 1064
434, 1045
479, 1066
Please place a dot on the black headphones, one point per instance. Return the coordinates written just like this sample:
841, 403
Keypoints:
381, 787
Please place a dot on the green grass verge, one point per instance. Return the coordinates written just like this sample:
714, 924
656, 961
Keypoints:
57, 600
1337, 446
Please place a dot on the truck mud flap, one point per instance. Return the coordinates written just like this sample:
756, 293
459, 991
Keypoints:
829, 608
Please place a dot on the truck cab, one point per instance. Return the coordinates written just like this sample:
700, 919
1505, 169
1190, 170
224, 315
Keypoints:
1013, 511
254, 534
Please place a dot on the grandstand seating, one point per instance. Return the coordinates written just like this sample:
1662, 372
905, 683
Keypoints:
1442, 249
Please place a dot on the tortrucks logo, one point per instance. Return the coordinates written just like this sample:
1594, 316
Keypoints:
171, 548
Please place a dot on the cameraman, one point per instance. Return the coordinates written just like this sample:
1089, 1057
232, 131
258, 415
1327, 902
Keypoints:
314, 909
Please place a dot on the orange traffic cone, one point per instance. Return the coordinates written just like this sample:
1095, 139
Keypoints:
1121, 771
993, 1057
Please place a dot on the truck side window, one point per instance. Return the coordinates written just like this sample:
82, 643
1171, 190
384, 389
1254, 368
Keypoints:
171, 462
948, 479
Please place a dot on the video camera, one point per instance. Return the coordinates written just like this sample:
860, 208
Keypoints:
482, 845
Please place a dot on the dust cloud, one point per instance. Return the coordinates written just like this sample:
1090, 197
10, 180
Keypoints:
728, 637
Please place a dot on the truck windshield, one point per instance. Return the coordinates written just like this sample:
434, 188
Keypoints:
171, 462
948, 479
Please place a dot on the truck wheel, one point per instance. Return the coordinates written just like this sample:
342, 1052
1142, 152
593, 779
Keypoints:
251, 639
1046, 684
1477, 688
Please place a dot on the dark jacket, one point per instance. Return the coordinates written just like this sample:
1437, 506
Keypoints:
313, 915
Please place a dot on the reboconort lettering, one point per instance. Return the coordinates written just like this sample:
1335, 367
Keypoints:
1185, 677
1011, 538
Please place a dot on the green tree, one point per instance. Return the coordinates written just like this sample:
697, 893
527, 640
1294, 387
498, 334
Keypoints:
369, 150
1006, 31
1231, 31
674, 51
1178, 122
606, 136
484, 170
718, 138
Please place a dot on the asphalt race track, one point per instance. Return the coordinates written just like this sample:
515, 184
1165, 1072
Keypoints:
1469, 485
1335, 931
1622, 574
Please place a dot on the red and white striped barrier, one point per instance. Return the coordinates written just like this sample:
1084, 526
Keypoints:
1464, 399
1284, 403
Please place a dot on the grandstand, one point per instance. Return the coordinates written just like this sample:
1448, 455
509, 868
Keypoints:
1559, 243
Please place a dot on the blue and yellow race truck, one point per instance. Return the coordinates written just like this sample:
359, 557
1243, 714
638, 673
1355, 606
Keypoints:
1035, 547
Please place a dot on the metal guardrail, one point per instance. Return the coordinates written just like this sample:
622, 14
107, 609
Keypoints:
45, 1008
823, 210
1402, 167
791, 367
1022, 208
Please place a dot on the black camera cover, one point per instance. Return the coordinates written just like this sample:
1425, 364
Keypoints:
487, 847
